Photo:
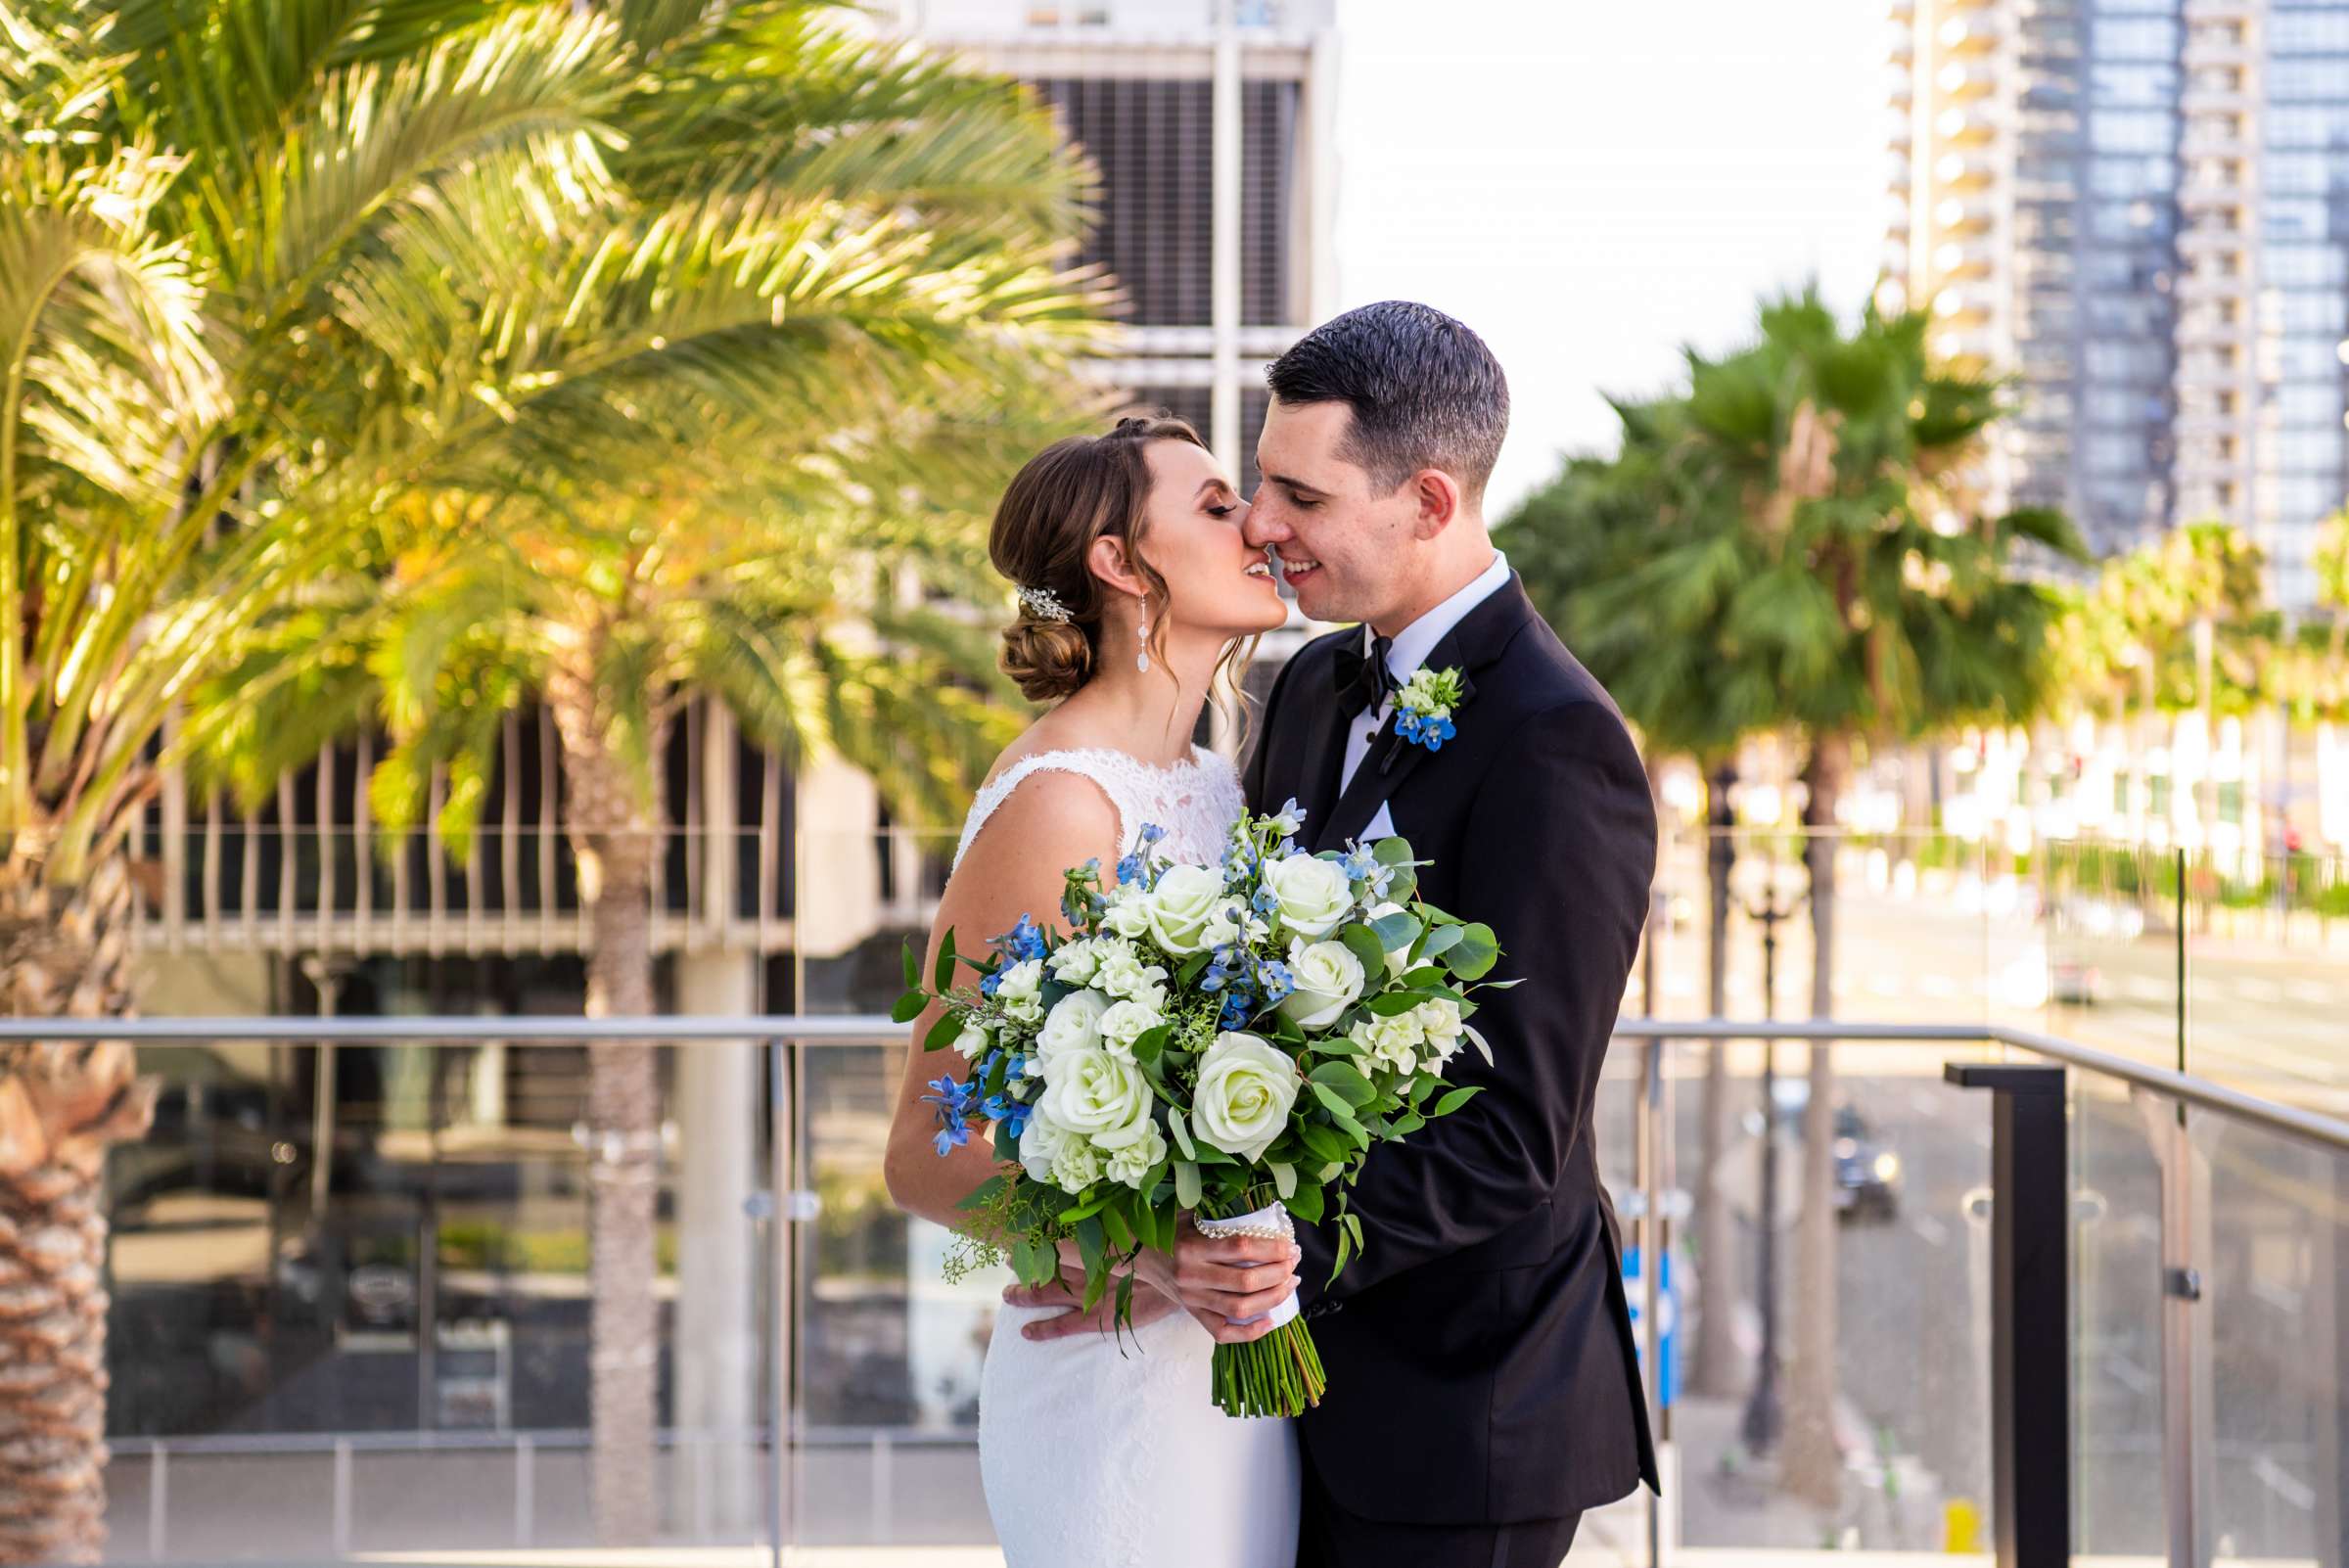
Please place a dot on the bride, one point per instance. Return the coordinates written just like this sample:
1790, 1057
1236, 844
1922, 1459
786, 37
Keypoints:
1136, 592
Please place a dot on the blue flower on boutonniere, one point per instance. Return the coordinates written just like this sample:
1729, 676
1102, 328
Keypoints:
1424, 707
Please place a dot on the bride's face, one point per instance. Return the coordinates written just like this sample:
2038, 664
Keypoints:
1192, 537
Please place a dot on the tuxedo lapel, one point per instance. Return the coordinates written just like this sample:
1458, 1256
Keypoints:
1324, 750
1483, 635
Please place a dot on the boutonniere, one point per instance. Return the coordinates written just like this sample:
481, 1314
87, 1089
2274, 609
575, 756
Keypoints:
1424, 707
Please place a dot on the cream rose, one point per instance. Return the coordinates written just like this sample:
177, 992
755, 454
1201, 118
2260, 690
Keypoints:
1329, 979
1134, 1152
1123, 975
1090, 1092
1390, 1041
1074, 962
1395, 956
1126, 1022
1440, 1021
1312, 898
1076, 1165
1243, 1097
1074, 1024
1128, 911
1040, 1144
1181, 905
1019, 991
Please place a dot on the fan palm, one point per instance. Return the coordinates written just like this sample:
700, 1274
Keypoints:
281, 277
1581, 541
1819, 565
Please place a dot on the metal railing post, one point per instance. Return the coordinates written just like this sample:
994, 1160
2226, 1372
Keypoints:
2030, 1340
158, 1502
525, 1489
778, 1295
341, 1504
2189, 1399
1653, 1139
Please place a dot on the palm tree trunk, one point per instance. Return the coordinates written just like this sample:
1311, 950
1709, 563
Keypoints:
1811, 1464
64, 951
610, 822
1714, 1368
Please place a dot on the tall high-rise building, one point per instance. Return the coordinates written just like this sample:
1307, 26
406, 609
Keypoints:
1211, 123
2140, 210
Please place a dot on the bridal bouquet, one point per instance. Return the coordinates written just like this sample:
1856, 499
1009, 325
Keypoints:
1226, 1040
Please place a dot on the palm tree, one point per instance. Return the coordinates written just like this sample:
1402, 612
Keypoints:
278, 278
1834, 579
1599, 545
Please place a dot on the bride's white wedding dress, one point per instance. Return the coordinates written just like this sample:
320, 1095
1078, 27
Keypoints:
1098, 1455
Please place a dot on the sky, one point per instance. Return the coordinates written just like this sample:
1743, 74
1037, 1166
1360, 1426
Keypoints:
1592, 185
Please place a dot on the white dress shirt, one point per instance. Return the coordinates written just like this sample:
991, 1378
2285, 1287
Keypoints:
1410, 650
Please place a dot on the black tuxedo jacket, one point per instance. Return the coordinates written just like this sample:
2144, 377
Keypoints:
1479, 1350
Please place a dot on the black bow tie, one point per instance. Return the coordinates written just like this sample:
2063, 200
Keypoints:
1364, 682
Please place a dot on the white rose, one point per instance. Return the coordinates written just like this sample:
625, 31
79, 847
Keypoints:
1076, 1165
1040, 1144
1074, 962
1129, 911
974, 1043
1329, 979
1440, 1021
1242, 1100
1090, 1092
1133, 1151
1074, 1025
1123, 974
1019, 991
1313, 897
1390, 1041
1180, 905
1395, 956
1124, 1023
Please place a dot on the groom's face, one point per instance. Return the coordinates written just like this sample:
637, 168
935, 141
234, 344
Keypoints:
1346, 549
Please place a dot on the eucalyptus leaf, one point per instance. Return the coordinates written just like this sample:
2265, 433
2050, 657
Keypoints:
1458, 1098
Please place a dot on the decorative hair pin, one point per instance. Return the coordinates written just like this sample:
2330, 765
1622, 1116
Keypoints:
1043, 604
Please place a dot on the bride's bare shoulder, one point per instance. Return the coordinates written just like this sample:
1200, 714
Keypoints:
1052, 817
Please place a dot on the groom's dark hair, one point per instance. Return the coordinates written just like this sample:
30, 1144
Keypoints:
1426, 391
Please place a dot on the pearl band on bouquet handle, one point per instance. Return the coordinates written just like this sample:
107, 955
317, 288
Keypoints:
1270, 1223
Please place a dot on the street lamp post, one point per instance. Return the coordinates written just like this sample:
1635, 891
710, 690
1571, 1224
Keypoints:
1762, 1417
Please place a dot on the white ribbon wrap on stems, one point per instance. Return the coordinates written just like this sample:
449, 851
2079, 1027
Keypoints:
1272, 1223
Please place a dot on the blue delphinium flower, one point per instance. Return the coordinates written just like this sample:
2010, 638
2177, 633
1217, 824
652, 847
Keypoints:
1130, 869
1239, 1006
1219, 970
1152, 833
1010, 1112
1023, 942
988, 982
1274, 977
953, 1102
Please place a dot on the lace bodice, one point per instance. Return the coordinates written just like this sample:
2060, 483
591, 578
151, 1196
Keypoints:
1195, 802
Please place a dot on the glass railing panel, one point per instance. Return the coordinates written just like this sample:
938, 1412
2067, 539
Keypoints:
2268, 976
2114, 951
2119, 1494
1903, 1301
2276, 1297
1924, 930
387, 1245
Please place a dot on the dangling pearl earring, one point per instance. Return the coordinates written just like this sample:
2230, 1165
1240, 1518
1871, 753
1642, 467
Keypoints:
1141, 638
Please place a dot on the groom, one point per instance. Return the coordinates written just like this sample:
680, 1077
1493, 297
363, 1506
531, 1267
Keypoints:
1483, 1390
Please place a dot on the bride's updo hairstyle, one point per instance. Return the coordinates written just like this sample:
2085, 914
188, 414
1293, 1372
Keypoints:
1071, 494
